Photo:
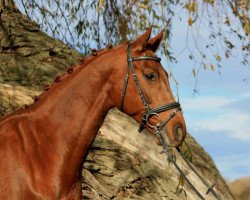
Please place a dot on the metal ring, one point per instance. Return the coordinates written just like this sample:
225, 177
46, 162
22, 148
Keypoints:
149, 116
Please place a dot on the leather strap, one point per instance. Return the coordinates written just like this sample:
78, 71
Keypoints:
149, 112
166, 107
130, 60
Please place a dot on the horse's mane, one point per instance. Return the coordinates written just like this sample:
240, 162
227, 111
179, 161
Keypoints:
92, 57
75, 69
78, 67
100, 52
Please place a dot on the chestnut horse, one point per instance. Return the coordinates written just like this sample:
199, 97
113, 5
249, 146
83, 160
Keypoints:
43, 146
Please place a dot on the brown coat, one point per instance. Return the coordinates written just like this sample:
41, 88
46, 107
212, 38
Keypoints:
42, 147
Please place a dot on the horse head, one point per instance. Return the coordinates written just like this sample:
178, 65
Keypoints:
141, 89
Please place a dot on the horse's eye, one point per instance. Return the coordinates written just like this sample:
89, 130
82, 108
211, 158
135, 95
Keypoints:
151, 77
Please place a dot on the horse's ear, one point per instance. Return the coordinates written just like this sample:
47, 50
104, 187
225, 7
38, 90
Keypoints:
154, 43
141, 42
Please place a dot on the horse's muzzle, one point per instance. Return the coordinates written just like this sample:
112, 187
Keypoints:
172, 137
179, 135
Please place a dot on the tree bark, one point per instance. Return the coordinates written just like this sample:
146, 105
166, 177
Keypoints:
122, 164
28, 56
8, 5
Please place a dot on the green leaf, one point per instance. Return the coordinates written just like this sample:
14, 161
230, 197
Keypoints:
193, 72
217, 57
179, 192
212, 67
101, 2
190, 21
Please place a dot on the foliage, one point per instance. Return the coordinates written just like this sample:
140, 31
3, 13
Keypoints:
210, 26
180, 187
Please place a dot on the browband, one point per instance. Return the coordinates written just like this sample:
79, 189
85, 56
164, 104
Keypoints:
148, 111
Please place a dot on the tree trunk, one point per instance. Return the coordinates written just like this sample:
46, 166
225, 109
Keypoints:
28, 56
8, 5
122, 164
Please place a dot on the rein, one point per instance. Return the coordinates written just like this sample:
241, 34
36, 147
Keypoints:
158, 128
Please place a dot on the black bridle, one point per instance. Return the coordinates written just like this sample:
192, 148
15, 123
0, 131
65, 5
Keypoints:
158, 127
148, 111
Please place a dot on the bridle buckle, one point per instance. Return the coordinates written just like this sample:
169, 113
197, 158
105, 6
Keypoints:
149, 112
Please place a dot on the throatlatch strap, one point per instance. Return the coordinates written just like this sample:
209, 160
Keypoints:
130, 60
150, 112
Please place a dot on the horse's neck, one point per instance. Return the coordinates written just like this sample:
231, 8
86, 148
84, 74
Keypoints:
72, 113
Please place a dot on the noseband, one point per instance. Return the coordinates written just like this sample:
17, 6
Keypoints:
149, 112
158, 127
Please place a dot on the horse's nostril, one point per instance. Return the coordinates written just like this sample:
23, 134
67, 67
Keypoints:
178, 133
